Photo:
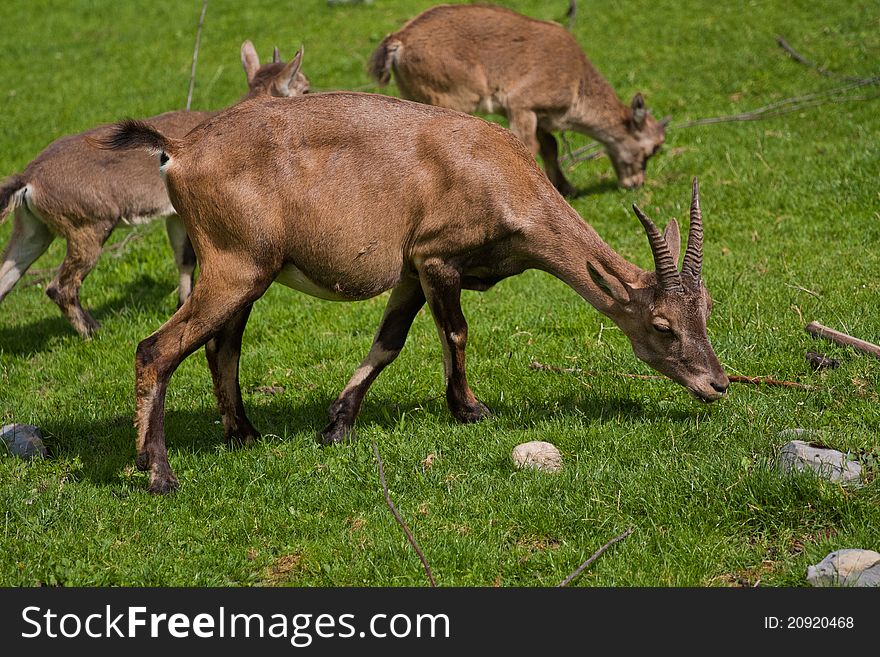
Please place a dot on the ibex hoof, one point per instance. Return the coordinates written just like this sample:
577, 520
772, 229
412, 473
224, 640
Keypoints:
164, 485
242, 439
336, 433
471, 414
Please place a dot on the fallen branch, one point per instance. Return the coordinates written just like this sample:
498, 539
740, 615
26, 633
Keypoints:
400, 521
817, 330
821, 70
596, 555
768, 381
754, 380
192, 73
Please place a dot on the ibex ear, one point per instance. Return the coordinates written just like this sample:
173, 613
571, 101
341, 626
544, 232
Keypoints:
673, 239
610, 285
287, 75
250, 61
640, 112
276, 55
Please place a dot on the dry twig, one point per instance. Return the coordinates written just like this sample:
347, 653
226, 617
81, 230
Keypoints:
821, 70
192, 73
400, 521
755, 380
596, 555
817, 330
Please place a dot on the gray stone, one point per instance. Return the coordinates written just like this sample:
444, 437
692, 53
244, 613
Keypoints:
830, 464
23, 440
851, 567
539, 455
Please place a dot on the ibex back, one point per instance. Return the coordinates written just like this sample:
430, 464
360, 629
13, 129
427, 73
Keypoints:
491, 59
75, 190
344, 196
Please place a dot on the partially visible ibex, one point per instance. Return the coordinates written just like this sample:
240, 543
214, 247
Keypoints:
491, 59
343, 196
80, 192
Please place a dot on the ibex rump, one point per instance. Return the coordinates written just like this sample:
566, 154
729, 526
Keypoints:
80, 192
344, 196
479, 58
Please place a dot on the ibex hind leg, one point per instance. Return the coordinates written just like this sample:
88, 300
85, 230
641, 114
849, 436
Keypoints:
442, 286
83, 250
223, 352
550, 154
30, 239
214, 307
404, 304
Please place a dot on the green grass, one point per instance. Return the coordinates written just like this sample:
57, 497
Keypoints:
789, 203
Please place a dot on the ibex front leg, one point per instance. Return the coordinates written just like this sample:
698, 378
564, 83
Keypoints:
442, 285
223, 352
404, 304
215, 302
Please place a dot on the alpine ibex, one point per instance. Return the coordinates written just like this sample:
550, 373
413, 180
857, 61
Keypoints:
478, 58
81, 192
344, 196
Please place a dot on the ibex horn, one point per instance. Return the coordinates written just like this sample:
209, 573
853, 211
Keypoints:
276, 55
667, 272
693, 257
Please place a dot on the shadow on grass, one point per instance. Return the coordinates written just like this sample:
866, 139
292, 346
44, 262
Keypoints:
36, 336
106, 446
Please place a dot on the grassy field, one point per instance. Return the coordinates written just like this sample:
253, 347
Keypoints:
792, 216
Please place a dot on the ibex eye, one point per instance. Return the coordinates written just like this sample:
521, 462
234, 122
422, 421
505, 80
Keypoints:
662, 328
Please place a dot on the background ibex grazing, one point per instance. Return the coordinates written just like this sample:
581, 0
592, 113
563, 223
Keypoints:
80, 192
344, 196
476, 58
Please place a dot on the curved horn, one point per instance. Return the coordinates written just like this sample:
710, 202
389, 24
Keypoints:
276, 56
693, 257
667, 272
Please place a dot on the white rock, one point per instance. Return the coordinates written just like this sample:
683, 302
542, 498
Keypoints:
798, 455
851, 567
537, 454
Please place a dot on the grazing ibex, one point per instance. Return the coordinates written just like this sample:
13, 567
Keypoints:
81, 192
476, 58
343, 196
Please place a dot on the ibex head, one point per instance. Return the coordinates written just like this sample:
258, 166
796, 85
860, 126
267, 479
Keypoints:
276, 79
644, 137
665, 319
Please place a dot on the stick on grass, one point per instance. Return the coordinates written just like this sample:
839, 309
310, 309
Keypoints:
192, 73
596, 555
400, 521
817, 330
734, 378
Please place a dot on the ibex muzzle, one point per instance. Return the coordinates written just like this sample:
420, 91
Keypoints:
344, 196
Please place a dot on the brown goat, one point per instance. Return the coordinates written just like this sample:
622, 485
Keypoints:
343, 196
81, 192
479, 58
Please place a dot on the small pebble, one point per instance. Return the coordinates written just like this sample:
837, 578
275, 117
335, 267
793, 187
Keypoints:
539, 455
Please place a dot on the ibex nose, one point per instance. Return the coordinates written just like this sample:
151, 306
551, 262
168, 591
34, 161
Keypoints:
720, 388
